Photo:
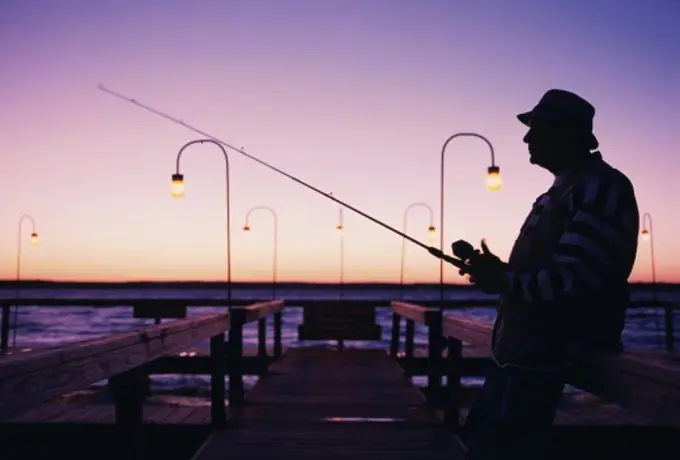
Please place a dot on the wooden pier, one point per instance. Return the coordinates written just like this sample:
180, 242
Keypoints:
333, 404
310, 402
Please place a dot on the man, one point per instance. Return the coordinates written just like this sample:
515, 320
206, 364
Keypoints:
564, 288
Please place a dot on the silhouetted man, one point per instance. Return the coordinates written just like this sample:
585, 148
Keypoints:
565, 286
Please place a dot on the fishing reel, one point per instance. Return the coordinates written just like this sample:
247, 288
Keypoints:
463, 250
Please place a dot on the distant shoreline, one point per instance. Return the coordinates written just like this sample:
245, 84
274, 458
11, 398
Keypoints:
38, 284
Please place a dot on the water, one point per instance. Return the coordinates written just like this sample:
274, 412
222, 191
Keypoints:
51, 326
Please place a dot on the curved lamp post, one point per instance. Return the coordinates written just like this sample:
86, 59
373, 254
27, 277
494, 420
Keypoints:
246, 228
341, 229
34, 241
493, 183
431, 233
177, 191
647, 235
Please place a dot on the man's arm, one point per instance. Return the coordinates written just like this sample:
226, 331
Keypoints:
604, 215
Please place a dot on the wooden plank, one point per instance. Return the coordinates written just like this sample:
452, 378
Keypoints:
104, 413
661, 365
41, 414
589, 411
177, 415
333, 404
417, 313
312, 414
631, 383
261, 310
575, 410
334, 441
477, 333
176, 333
68, 413
28, 381
645, 382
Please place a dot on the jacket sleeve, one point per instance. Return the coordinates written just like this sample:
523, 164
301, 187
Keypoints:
604, 220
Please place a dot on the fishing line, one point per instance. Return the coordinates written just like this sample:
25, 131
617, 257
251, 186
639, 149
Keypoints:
432, 250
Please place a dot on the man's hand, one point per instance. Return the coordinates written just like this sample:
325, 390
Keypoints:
486, 270
452, 260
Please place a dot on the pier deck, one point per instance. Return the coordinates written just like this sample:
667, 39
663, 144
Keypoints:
344, 404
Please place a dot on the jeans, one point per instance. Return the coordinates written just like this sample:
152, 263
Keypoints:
512, 415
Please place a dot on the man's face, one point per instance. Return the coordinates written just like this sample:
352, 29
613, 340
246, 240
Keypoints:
546, 144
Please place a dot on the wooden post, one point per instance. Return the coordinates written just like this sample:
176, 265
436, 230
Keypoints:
128, 393
218, 415
454, 364
668, 319
434, 359
235, 356
396, 332
278, 326
4, 332
408, 346
262, 338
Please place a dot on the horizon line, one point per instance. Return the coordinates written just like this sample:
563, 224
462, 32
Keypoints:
268, 283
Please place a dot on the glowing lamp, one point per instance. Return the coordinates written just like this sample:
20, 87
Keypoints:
645, 234
34, 238
494, 179
177, 187
431, 232
339, 228
246, 228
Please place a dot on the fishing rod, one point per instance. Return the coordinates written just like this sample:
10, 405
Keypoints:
431, 249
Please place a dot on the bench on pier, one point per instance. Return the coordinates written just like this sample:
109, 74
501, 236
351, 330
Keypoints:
339, 321
28, 381
158, 309
644, 382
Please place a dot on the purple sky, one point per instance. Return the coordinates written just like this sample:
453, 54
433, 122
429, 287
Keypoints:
353, 96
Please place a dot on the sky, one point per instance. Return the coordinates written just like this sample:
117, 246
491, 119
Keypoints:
355, 97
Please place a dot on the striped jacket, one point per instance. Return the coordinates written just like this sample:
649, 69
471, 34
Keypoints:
566, 287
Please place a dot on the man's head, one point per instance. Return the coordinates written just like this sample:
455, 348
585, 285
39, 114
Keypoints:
560, 130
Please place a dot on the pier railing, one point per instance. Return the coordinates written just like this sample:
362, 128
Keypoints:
644, 381
28, 380
319, 323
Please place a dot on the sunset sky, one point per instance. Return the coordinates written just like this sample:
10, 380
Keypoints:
354, 96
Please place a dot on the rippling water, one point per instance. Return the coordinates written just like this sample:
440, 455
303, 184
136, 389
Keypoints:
50, 326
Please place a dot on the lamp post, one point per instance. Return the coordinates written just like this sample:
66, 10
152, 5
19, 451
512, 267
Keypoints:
341, 228
493, 183
15, 320
647, 234
177, 191
431, 231
246, 228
